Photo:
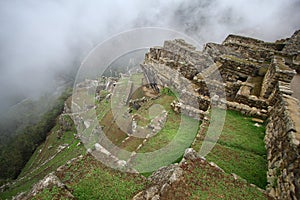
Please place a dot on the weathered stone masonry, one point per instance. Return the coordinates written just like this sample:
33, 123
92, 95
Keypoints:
247, 75
283, 148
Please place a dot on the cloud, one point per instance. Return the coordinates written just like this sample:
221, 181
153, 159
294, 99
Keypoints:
40, 40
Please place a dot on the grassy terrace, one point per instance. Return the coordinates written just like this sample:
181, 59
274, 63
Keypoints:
201, 181
240, 149
45, 159
89, 179
180, 129
108, 118
170, 131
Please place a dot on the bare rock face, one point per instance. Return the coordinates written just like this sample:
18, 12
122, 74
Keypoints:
163, 179
48, 182
190, 154
160, 180
166, 174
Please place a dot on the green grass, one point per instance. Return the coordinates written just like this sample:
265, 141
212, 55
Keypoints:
204, 182
240, 149
170, 132
102, 109
103, 94
131, 144
100, 184
112, 129
82, 97
54, 193
170, 127
239, 132
35, 170
90, 179
169, 92
168, 145
137, 93
249, 166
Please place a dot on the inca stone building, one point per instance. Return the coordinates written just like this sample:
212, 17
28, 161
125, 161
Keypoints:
243, 74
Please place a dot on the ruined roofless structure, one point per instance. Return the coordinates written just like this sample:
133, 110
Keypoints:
243, 74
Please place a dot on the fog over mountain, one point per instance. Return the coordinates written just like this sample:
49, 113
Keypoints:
42, 41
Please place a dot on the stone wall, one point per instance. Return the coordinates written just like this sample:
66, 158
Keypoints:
292, 48
158, 73
277, 71
283, 148
253, 53
245, 65
176, 65
237, 39
244, 96
256, 77
264, 51
234, 68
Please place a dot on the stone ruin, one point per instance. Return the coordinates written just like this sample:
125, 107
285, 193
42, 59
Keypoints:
243, 74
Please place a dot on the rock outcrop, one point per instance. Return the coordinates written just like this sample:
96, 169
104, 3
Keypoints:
48, 182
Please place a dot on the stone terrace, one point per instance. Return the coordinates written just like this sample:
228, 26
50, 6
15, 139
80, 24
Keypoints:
247, 75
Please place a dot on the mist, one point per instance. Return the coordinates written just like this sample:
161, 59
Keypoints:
43, 42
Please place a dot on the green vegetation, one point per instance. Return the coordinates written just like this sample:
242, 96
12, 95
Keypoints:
171, 126
26, 113
35, 169
51, 194
89, 179
169, 92
54, 152
15, 154
169, 133
137, 80
201, 181
100, 184
249, 166
240, 149
102, 108
168, 145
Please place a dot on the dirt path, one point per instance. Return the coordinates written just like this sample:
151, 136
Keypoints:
295, 114
295, 85
294, 109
